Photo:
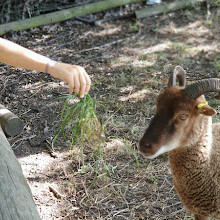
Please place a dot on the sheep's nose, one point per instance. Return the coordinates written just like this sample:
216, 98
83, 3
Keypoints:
145, 147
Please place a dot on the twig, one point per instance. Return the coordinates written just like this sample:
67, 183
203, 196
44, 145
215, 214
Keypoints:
55, 193
21, 139
102, 46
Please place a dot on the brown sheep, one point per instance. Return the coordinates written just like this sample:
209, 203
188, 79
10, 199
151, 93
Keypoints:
182, 126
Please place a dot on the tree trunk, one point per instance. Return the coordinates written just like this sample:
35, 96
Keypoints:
11, 124
165, 8
63, 15
16, 202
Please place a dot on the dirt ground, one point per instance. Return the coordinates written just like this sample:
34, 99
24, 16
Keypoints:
128, 58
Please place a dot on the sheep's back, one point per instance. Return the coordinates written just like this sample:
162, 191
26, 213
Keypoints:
196, 181
215, 159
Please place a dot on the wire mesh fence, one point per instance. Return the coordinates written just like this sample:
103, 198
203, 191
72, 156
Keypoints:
12, 10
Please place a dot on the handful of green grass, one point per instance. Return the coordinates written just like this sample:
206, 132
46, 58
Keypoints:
79, 122
80, 126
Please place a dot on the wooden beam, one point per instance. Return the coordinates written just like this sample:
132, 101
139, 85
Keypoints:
63, 15
165, 8
10, 123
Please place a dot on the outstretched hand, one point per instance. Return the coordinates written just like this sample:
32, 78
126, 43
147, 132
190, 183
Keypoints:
74, 75
16, 55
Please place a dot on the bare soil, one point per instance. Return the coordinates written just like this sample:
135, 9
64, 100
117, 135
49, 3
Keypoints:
130, 57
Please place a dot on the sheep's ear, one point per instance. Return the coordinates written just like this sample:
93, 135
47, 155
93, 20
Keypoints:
205, 109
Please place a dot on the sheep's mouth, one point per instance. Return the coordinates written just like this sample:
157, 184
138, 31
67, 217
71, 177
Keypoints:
148, 151
157, 150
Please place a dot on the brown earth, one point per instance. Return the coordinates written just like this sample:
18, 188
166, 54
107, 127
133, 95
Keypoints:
130, 57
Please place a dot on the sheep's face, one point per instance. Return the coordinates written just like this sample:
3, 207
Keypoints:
172, 123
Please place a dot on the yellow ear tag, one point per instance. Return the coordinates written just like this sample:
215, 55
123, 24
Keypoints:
201, 105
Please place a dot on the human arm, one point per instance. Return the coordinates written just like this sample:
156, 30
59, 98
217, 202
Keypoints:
16, 55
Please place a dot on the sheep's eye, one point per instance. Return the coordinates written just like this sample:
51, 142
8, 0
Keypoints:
183, 116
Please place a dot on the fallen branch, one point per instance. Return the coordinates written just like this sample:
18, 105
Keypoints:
55, 193
165, 8
63, 15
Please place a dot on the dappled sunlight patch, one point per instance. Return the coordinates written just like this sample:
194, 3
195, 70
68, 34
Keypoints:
195, 32
127, 89
141, 60
46, 175
39, 161
179, 47
168, 29
108, 30
196, 28
75, 153
157, 48
202, 49
136, 96
122, 61
114, 145
143, 63
56, 206
131, 51
43, 86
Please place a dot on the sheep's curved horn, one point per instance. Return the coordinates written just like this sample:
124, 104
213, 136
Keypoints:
179, 74
201, 87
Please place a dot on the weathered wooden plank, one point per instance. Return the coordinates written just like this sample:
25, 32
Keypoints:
63, 15
165, 8
16, 201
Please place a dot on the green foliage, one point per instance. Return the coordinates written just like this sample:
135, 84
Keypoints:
194, 6
154, 29
217, 65
215, 3
134, 27
80, 126
79, 123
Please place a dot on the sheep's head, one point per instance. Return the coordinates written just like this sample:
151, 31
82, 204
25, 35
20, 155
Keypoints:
177, 109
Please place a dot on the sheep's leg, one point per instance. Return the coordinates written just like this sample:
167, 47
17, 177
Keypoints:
200, 217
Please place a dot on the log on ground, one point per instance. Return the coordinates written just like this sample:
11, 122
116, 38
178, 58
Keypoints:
11, 124
166, 8
63, 15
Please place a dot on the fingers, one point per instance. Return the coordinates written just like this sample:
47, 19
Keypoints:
82, 85
81, 82
75, 76
88, 83
85, 83
77, 84
71, 86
